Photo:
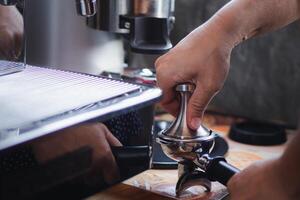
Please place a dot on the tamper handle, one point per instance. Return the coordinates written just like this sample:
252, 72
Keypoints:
219, 170
185, 87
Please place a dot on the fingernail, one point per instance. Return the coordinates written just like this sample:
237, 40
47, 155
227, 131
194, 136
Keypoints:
196, 122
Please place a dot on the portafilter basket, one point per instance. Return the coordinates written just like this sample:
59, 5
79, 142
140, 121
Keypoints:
191, 148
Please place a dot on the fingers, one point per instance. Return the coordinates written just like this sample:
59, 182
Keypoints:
104, 166
172, 107
167, 78
11, 33
6, 45
18, 45
111, 139
104, 160
10, 44
19, 32
197, 105
170, 100
96, 136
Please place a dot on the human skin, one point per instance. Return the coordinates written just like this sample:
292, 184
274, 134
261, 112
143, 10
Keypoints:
203, 58
11, 32
276, 179
93, 135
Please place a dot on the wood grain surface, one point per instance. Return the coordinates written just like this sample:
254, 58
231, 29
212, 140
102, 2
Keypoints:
160, 184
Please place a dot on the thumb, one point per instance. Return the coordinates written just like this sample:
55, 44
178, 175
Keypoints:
196, 107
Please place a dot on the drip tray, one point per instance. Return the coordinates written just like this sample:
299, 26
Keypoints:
37, 101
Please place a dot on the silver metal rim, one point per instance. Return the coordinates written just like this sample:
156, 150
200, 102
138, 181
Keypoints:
165, 139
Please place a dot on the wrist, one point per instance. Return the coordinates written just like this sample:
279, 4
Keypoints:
236, 22
288, 176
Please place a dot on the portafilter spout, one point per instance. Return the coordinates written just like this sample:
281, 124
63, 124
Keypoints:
181, 143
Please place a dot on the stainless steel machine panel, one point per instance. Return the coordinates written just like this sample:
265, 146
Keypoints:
38, 101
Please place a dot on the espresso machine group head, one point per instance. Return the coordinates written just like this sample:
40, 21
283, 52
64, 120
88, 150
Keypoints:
146, 23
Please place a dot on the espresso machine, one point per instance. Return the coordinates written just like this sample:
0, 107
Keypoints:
78, 36
147, 23
83, 26
55, 40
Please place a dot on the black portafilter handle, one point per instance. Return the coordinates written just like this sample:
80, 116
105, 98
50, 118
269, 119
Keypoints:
218, 169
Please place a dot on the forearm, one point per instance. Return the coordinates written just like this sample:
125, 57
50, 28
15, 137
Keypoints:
289, 165
243, 19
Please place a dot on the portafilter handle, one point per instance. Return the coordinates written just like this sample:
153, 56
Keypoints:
216, 168
210, 169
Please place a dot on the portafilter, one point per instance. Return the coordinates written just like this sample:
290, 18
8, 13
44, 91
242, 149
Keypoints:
192, 148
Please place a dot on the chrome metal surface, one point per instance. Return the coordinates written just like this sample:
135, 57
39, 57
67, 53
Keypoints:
38, 101
153, 8
191, 179
56, 36
179, 129
107, 17
86, 8
179, 142
148, 22
202, 162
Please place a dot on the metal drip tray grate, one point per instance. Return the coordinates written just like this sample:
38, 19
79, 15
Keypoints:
37, 101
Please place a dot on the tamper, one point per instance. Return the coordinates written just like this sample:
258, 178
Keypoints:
191, 148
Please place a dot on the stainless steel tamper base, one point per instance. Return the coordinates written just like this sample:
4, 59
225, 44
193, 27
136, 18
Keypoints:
191, 148
179, 142
185, 145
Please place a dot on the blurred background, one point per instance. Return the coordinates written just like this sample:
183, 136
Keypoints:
264, 78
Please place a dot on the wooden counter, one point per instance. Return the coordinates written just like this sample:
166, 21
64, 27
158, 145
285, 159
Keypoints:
160, 184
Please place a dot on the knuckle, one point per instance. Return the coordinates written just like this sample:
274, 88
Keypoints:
177, 78
197, 106
99, 126
159, 63
162, 62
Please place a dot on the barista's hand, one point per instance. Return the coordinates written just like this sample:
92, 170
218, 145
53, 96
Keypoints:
202, 58
96, 136
11, 32
259, 181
